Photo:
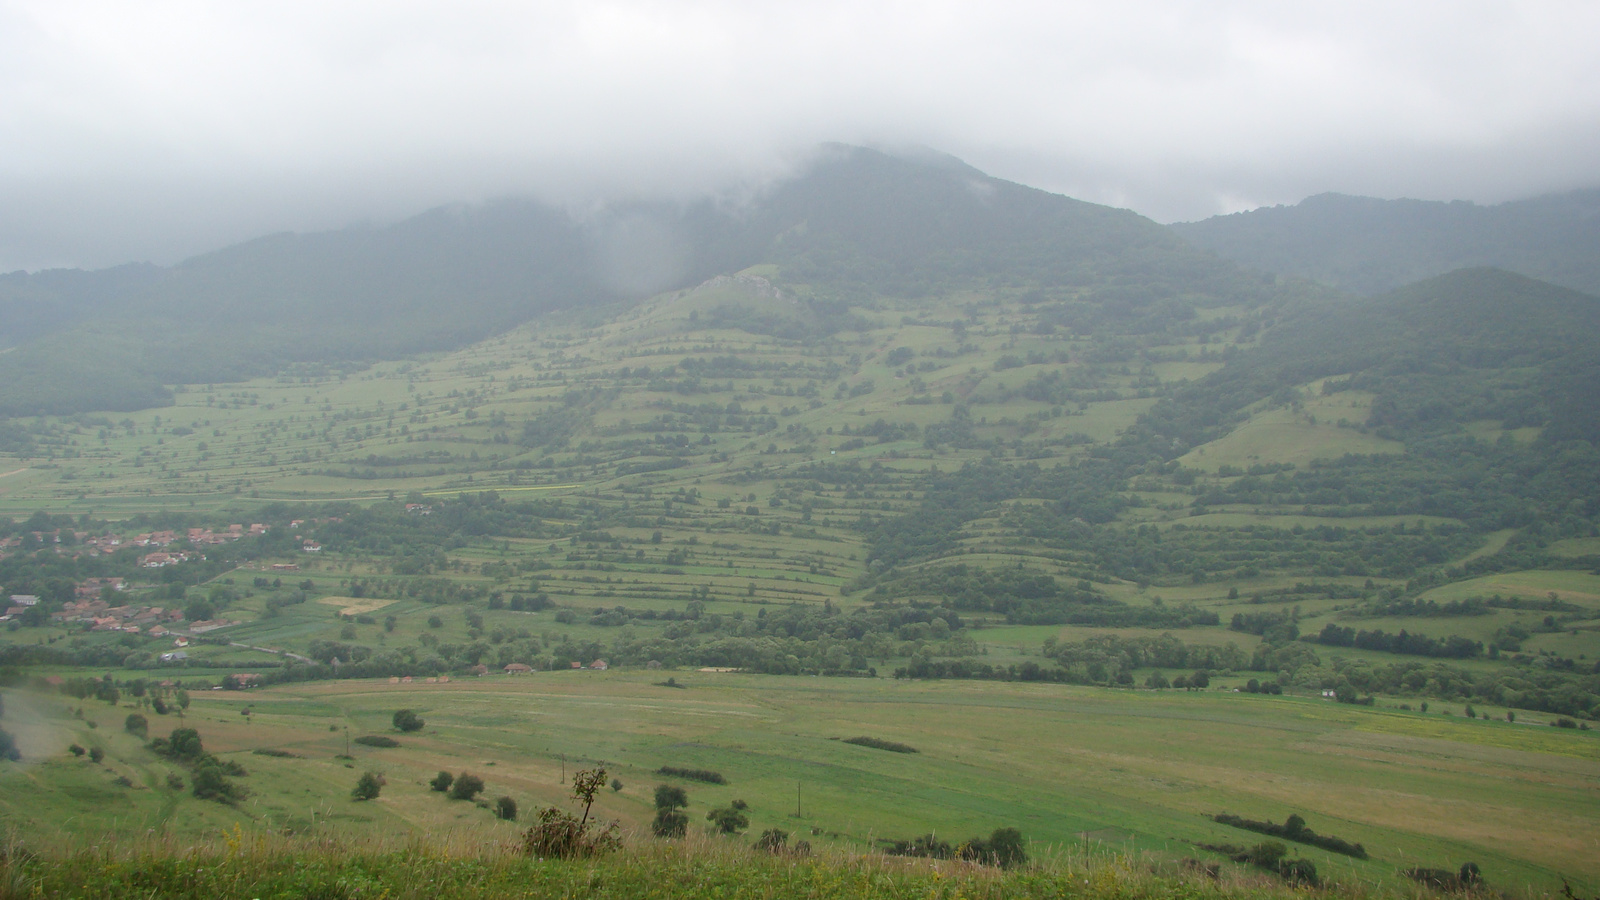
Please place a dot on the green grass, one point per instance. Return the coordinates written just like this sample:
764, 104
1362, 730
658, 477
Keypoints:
455, 868
1581, 588
1066, 765
1285, 435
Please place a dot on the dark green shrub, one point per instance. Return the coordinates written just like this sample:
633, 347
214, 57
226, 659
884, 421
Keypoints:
927, 846
466, 787
727, 820
878, 744
182, 745
136, 724
1267, 854
671, 797
441, 782
376, 740
367, 787
670, 823
1004, 848
773, 840
1299, 871
706, 775
1294, 829
211, 783
505, 808
407, 720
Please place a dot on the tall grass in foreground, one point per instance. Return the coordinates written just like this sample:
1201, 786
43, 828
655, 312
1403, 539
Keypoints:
239, 866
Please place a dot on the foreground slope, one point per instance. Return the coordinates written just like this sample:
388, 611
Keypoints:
1134, 772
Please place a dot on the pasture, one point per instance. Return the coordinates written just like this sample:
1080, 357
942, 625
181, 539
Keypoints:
1133, 771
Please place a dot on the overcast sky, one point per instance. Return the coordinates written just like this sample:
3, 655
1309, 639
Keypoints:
155, 130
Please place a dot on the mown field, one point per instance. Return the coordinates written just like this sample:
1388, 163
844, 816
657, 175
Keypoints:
1132, 772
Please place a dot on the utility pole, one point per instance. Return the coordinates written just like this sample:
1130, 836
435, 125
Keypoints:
563, 768
347, 740
797, 800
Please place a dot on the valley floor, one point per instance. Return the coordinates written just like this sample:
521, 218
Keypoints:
1077, 770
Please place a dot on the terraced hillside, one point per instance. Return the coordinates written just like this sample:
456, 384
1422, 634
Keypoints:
934, 468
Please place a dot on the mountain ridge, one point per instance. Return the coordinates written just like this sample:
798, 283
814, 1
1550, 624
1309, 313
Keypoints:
1369, 246
857, 224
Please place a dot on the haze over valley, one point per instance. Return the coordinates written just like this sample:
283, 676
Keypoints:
805, 516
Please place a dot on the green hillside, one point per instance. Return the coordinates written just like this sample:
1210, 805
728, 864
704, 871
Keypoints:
1116, 538
854, 225
1370, 246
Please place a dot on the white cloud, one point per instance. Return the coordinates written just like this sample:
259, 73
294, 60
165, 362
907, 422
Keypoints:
164, 128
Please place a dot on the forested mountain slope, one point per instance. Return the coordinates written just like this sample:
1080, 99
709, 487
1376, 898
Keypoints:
856, 224
1368, 246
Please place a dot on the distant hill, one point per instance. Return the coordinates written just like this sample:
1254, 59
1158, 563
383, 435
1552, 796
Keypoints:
1368, 246
1471, 345
856, 224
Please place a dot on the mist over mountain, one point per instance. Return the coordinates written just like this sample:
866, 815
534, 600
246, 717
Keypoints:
858, 223
1369, 246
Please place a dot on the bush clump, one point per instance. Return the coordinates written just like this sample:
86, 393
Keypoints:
559, 834
927, 846
367, 787
728, 819
441, 782
376, 740
670, 821
210, 779
1004, 848
407, 720
210, 782
465, 787
705, 775
879, 744
1294, 829
1270, 855
1465, 878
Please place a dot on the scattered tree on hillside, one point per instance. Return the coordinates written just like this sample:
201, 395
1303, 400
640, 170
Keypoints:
670, 820
408, 720
773, 840
367, 787
728, 820
441, 781
211, 783
1004, 848
466, 787
559, 834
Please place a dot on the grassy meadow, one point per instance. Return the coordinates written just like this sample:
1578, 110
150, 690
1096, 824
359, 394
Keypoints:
1132, 772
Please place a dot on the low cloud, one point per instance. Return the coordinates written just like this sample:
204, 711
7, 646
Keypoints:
157, 130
